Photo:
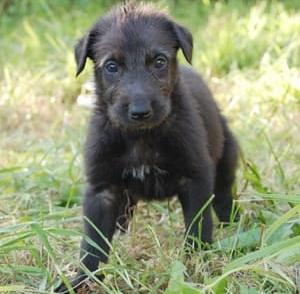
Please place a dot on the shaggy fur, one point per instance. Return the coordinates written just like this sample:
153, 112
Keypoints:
156, 131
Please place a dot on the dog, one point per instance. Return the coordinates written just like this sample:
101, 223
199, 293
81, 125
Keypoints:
156, 131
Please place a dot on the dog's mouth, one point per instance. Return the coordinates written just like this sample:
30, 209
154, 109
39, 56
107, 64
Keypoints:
142, 126
145, 124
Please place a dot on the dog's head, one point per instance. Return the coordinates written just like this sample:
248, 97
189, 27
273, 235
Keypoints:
134, 51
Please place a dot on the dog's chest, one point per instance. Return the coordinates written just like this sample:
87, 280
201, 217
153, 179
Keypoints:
142, 159
144, 171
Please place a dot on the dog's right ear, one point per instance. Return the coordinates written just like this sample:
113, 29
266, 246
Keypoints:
82, 51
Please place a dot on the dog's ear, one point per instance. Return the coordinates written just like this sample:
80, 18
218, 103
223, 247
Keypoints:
82, 51
185, 41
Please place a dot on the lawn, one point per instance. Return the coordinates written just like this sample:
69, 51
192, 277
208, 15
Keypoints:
249, 54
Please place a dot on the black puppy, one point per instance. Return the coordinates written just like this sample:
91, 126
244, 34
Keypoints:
155, 132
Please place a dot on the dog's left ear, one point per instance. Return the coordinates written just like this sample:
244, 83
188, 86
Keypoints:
82, 52
185, 41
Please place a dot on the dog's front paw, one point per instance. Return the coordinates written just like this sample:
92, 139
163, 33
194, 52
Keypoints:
79, 282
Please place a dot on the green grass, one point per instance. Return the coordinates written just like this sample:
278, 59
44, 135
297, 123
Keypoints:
249, 53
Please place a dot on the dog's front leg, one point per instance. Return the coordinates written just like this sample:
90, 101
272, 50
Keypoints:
194, 199
100, 209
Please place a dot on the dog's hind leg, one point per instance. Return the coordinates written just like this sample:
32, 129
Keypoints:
225, 177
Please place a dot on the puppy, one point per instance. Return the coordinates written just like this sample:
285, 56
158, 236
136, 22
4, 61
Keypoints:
155, 132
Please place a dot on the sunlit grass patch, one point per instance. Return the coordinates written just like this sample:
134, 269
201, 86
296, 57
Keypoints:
235, 39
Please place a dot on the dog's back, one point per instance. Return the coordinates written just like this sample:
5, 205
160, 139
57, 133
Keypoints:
207, 109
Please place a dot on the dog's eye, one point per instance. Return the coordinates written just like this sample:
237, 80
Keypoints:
160, 62
111, 66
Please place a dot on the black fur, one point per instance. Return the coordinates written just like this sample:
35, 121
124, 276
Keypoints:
156, 131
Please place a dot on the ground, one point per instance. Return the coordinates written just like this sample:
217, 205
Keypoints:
249, 54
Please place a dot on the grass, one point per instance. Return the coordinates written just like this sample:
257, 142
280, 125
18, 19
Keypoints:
249, 53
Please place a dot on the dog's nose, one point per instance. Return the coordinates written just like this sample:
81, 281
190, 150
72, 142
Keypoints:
140, 115
140, 111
